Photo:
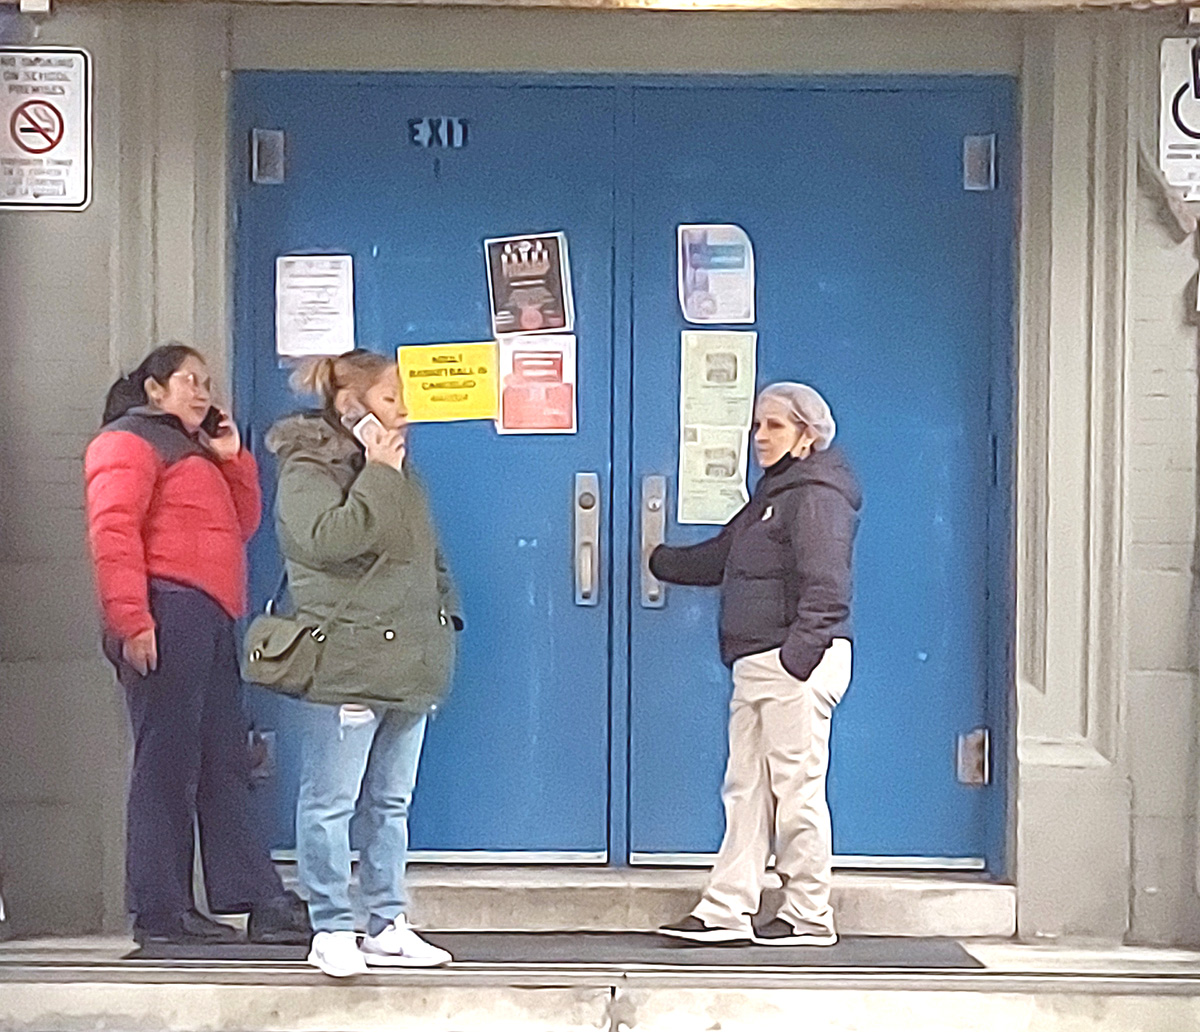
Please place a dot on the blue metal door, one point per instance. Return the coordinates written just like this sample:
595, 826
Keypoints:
592, 732
517, 760
883, 283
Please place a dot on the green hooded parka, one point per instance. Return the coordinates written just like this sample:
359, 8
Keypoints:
335, 514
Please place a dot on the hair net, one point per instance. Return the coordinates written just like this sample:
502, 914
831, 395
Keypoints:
806, 407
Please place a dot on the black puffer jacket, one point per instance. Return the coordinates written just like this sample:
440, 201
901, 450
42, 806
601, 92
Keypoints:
783, 563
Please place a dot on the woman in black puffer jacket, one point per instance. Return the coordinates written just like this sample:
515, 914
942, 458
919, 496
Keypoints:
784, 567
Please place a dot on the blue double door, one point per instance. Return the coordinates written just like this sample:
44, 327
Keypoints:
597, 732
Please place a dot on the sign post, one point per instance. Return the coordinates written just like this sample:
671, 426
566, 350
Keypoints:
45, 128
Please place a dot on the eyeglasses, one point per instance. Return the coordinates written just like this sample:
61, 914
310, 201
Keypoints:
194, 383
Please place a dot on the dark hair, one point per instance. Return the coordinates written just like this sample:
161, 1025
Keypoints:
159, 366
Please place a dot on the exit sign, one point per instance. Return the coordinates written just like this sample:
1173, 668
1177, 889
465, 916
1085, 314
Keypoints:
450, 133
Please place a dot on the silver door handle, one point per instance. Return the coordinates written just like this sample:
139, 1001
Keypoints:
587, 539
654, 514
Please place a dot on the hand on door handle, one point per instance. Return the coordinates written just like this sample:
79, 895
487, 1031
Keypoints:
654, 502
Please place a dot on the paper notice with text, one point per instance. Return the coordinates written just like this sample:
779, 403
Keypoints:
716, 408
314, 304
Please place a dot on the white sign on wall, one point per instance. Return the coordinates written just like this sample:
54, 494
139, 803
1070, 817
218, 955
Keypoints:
45, 128
1179, 114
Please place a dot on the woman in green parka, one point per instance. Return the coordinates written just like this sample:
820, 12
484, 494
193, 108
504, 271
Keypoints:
355, 530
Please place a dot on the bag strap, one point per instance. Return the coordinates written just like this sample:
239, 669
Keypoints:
343, 602
348, 597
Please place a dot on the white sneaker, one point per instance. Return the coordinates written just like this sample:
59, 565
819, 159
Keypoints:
399, 946
337, 954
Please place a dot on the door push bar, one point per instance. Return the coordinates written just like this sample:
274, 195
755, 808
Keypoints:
587, 539
654, 509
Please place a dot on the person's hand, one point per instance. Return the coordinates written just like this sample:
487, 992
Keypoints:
141, 652
228, 442
384, 446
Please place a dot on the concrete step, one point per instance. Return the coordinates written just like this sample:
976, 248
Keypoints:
67, 987
479, 898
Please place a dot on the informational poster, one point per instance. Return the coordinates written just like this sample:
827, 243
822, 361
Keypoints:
537, 384
716, 274
444, 382
45, 128
529, 284
716, 409
1179, 114
314, 304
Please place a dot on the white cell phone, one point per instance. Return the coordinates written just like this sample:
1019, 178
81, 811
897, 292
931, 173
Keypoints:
368, 420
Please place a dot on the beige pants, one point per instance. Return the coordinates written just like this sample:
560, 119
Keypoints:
774, 792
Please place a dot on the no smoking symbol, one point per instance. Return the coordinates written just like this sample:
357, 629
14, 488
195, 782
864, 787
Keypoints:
36, 126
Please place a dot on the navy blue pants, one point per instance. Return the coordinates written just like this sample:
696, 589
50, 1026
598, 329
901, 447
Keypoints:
190, 764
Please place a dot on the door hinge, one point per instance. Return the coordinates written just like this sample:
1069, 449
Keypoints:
974, 759
979, 162
266, 156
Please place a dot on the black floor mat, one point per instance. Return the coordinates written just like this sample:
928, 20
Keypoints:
609, 948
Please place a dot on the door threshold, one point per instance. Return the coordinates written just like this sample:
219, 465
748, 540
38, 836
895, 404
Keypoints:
844, 863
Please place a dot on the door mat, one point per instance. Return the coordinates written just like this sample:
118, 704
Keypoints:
533, 949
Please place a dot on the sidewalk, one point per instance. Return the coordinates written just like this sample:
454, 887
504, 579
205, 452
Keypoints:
79, 984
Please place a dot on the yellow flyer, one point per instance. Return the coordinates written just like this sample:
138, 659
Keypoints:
443, 382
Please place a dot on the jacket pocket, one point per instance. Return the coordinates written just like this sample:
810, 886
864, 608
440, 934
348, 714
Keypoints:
408, 665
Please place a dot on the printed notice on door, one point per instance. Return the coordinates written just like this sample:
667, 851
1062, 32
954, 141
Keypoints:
712, 473
716, 408
45, 128
716, 274
314, 305
537, 385
445, 382
529, 283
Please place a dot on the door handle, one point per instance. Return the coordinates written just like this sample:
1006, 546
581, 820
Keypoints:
654, 514
587, 539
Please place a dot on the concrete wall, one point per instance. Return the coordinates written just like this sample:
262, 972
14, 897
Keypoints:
1103, 820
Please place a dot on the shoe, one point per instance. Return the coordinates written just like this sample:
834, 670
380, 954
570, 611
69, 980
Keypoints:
695, 930
399, 946
337, 954
191, 928
777, 932
282, 921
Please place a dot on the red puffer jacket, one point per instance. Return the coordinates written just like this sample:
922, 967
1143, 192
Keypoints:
160, 505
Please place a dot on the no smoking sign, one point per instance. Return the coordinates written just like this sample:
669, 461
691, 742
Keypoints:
45, 128
1179, 114
36, 126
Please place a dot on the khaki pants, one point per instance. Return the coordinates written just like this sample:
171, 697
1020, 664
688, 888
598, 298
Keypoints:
774, 792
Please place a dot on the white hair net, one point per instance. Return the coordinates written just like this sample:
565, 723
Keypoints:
806, 407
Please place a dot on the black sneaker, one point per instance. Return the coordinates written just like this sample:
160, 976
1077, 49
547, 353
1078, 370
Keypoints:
778, 932
190, 929
282, 921
695, 930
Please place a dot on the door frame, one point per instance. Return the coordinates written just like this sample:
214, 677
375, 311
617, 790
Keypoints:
621, 493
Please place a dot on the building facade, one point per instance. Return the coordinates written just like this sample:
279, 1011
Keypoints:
1098, 741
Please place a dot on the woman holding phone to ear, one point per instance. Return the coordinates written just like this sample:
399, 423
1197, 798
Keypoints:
355, 530
170, 508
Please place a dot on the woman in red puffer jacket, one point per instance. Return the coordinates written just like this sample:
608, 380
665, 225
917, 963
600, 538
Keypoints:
170, 508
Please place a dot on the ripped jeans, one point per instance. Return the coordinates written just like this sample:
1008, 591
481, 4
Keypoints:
364, 763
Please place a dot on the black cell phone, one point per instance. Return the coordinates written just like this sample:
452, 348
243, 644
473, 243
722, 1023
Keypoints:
212, 422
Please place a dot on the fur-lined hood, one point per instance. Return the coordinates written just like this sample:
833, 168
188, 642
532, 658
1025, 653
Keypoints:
312, 435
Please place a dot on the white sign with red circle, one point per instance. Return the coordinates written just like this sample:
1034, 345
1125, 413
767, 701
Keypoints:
45, 128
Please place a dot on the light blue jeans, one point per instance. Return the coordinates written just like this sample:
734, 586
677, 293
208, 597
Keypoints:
370, 768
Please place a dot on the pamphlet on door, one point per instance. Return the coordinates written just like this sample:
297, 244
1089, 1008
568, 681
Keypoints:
537, 385
716, 409
716, 274
444, 382
529, 284
314, 304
